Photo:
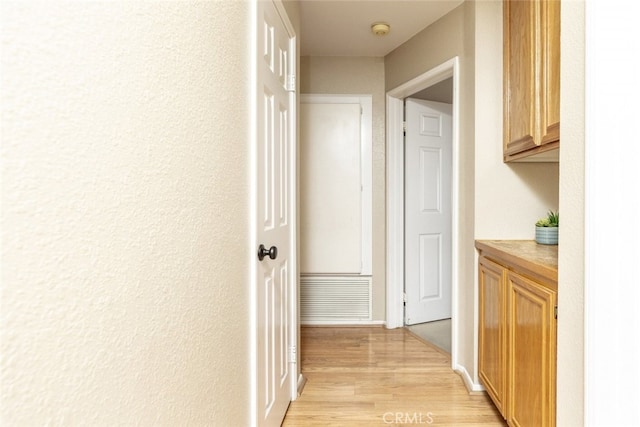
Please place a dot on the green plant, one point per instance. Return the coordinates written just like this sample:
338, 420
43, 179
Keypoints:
552, 220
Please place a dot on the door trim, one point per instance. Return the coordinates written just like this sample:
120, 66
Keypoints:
395, 195
294, 275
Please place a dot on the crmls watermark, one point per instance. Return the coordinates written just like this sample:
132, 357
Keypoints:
407, 418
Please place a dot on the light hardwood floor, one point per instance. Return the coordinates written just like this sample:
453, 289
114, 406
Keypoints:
376, 377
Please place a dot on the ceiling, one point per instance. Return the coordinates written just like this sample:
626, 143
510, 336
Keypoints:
343, 27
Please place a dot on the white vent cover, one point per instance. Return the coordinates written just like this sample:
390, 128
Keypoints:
333, 299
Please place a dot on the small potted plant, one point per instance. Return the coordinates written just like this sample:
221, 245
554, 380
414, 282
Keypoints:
547, 229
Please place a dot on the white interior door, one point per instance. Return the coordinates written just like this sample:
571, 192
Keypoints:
275, 217
428, 175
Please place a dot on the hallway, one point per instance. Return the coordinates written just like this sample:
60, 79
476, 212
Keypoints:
369, 376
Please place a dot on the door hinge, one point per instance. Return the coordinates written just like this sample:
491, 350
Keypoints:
293, 354
555, 311
404, 126
404, 298
291, 83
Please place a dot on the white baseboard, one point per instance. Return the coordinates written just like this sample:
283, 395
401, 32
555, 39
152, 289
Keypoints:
471, 386
342, 322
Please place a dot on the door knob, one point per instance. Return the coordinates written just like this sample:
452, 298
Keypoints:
271, 252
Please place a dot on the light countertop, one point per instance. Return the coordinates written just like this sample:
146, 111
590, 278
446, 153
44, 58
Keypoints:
536, 259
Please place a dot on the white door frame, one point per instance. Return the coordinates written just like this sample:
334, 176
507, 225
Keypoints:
395, 195
292, 309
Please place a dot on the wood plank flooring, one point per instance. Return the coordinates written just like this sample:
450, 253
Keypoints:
372, 376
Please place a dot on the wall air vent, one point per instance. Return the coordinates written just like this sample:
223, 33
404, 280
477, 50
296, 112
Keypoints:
335, 299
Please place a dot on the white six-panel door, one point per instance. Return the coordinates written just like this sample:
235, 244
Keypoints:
428, 177
275, 216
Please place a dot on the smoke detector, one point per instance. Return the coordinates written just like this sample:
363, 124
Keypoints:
380, 28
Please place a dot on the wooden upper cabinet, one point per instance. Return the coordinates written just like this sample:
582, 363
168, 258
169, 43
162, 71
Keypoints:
531, 79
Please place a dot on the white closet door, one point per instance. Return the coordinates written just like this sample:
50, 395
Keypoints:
331, 188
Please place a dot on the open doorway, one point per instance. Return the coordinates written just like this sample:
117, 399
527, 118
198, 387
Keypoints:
447, 71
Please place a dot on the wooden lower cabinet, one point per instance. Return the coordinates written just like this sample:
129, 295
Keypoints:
517, 343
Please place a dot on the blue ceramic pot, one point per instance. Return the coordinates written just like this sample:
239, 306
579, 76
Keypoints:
547, 235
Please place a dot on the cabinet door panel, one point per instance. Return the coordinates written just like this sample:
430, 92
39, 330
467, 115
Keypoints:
492, 333
532, 349
519, 75
550, 88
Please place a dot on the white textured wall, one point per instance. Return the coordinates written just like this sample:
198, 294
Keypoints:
359, 75
571, 265
124, 213
611, 291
